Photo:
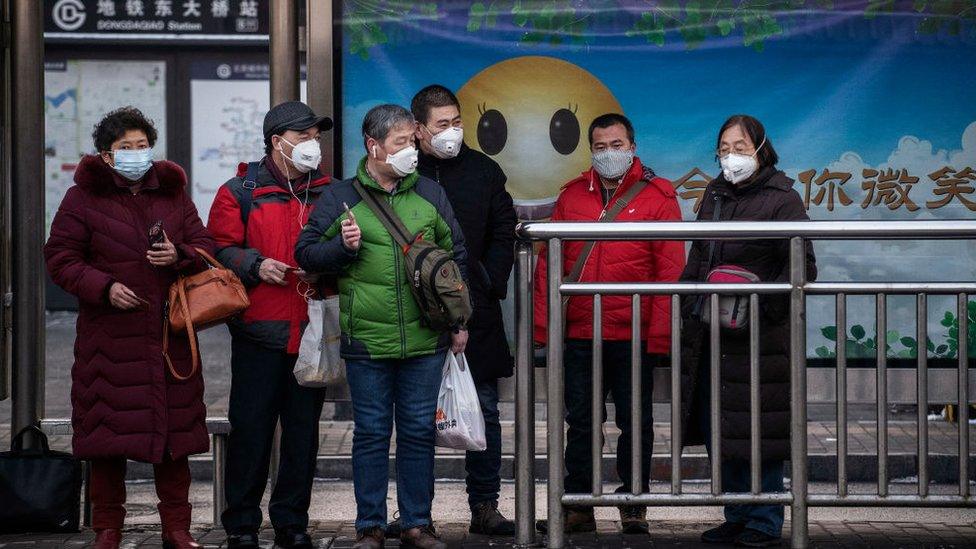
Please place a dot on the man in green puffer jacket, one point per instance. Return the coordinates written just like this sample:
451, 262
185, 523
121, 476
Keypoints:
393, 361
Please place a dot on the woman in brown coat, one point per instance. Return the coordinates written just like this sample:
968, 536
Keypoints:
121, 236
749, 188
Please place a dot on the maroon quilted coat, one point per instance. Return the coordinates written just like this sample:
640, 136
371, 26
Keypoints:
125, 403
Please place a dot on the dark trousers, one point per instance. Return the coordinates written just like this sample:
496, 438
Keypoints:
484, 468
578, 366
108, 493
736, 474
263, 390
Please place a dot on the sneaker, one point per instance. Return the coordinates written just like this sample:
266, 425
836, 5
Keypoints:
755, 538
370, 538
486, 520
424, 537
577, 521
633, 519
726, 533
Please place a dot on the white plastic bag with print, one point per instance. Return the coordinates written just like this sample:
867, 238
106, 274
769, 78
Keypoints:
318, 362
459, 421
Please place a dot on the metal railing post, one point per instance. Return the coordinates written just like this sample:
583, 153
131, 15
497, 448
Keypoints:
922, 387
798, 394
27, 194
556, 404
219, 446
284, 52
963, 414
524, 399
676, 413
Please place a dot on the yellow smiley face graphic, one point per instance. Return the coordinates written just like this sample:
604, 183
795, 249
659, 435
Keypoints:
531, 114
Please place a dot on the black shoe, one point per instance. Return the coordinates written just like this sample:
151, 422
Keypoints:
242, 541
486, 520
726, 533
293, 539
394, 528
755, 538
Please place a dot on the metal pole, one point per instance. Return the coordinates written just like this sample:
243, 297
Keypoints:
219, 479
922, 386
755, 461
841, 395
676, 394
524, 399
321, 67
636, 434
5, 181
556, 404
28, 217
597, 405
284, 52
798, 394
963, 414
881, 340
715, 400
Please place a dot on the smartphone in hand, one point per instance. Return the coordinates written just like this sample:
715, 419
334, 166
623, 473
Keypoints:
156, 234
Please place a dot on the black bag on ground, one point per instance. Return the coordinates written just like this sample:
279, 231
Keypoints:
40, 490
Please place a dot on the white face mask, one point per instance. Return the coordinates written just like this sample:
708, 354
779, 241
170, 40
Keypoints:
403, 162
739, 167
612, 163
446, 144
306, 155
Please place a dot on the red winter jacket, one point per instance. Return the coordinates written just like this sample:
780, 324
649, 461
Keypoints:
630, 261
124, 401
278, 314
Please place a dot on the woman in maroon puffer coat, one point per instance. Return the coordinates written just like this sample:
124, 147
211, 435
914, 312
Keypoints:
125, 402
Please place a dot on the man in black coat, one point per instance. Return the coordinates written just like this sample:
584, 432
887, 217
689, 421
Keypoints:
475, 186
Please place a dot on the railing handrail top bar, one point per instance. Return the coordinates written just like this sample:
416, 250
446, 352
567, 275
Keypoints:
815, 288
731, 230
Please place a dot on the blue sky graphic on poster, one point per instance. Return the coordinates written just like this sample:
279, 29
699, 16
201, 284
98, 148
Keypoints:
869, 104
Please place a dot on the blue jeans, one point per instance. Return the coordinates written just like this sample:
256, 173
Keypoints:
484, 468
404, 389
736, 476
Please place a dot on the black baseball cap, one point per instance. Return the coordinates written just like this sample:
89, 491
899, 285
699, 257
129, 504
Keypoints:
293, 115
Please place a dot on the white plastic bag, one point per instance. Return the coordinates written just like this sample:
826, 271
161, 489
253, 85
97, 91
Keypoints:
318, 362
459, 421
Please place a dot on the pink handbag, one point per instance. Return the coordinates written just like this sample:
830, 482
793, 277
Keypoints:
733, 310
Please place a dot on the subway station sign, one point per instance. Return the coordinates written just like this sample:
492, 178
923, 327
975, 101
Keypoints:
140, 20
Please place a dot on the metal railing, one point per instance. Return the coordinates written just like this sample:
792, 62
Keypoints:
554, 234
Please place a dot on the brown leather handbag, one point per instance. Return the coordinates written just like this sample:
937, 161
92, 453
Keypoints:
200, 301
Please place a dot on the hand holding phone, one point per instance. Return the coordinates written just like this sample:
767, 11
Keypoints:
351, 234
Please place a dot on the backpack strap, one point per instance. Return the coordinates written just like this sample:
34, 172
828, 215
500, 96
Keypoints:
248, 185
387, 216
608, 216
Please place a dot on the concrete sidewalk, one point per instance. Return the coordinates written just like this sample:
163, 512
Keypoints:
333, 513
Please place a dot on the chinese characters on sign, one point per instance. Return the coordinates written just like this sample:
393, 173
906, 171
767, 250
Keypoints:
204, 18
888, 188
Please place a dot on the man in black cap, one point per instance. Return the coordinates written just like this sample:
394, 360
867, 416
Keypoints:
255, 219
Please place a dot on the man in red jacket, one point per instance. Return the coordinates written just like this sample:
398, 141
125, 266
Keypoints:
616, 170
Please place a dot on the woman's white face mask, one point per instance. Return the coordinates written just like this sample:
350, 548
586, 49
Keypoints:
739, 167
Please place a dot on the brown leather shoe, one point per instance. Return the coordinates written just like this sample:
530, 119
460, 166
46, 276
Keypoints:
179, 539
577, 521
633, 519
109, 538
370, 538
423, 537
